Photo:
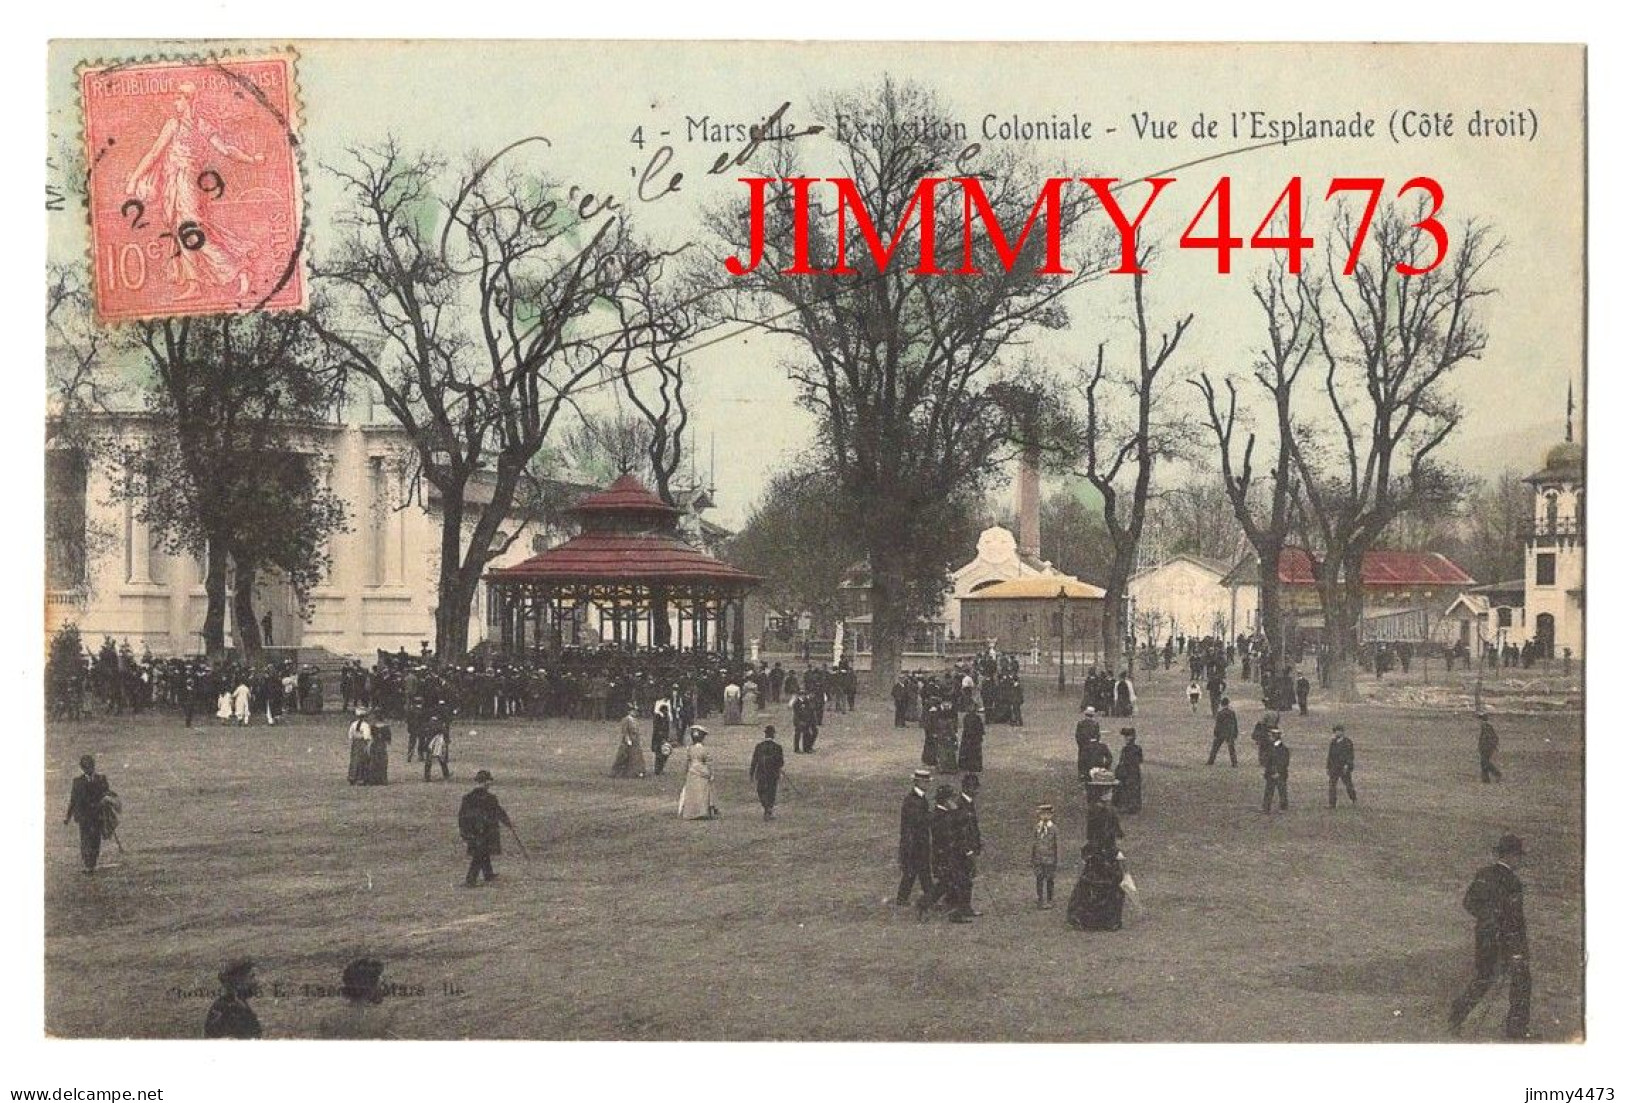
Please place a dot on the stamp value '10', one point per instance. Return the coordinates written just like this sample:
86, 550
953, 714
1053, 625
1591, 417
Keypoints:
193, 186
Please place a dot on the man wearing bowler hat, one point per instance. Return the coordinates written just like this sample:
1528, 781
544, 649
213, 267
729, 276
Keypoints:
766, 764
1339, 766
1500, 940
87, 804
480, 820
1277, 763
914, 842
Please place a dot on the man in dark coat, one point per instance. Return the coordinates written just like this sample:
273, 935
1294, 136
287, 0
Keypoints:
970, 741
480, 820
1339, 766
766, 764
967, 830
1277, 763
1086, 734
914, 843
1500, 940
1261, 735
1225, 732
87, 804
1302, 688
1488, 744
953, 835
230, 1016
804, 718
899, 702
1215, 689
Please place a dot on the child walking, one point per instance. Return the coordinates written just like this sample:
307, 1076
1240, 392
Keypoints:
1046, 854
1194, 692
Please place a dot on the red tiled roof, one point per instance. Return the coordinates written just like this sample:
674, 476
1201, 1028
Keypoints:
625, 494
622, 557
1380, 568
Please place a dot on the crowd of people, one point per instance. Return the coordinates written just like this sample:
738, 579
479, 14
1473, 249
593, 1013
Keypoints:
660, 698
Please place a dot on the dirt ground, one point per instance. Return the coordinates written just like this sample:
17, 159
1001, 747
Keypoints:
627, 923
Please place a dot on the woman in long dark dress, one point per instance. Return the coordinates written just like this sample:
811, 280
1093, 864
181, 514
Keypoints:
970, 742
1097, 898
928, 750
1127, 794
376, 771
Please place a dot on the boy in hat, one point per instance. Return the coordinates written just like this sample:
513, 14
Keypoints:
438, 747
1339, 766
1194, 692
1277, 760
1046, 854
914, 842
230, 1016
1500, 940
86, 804
766, 764
480, 820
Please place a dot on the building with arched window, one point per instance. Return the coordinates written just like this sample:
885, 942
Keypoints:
1554, 553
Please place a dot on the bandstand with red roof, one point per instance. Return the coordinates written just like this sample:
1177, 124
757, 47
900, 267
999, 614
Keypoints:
631, 568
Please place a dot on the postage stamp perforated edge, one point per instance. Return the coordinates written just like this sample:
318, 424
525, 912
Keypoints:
293, 125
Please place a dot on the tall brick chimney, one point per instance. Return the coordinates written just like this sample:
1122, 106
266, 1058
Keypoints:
1027, 502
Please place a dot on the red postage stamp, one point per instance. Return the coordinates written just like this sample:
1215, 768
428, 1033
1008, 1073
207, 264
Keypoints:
194, 192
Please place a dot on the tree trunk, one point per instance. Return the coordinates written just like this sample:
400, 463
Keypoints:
1269, 597
1341, 607
244, 624
451, 616
214, 615
889, 622
451, 603
1112, 627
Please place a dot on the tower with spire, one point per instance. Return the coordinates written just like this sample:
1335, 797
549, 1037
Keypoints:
1554, 549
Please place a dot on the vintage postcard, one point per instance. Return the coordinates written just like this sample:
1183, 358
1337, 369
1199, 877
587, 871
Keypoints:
755, 541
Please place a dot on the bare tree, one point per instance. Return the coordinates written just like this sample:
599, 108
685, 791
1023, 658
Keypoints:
1193, 517
473, 307
1389, 342
1117, 456
906, 370
1291, 329
650, 368
76, 351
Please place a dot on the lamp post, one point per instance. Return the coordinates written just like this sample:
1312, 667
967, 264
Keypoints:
1060, 677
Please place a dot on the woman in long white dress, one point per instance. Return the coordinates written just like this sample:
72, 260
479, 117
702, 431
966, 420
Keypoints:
695, 802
